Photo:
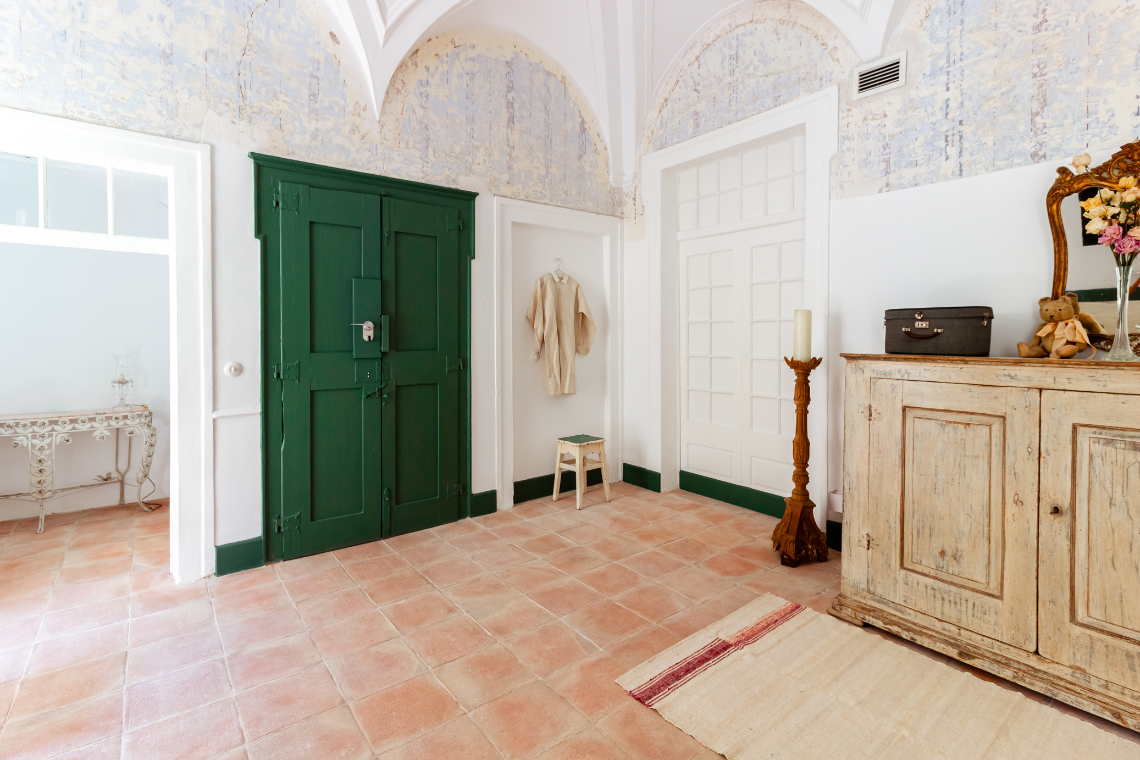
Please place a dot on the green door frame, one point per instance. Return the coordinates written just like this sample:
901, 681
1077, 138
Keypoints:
268, 171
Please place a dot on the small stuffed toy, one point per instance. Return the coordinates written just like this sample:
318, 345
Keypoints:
1065, 331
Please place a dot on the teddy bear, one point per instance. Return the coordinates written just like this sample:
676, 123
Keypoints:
1065, 331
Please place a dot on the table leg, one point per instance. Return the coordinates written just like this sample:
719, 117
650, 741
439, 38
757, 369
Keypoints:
41, 457
150, 435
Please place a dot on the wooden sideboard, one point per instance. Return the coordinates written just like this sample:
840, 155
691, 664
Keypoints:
991, 512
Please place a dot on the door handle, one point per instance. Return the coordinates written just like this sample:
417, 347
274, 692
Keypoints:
369, 330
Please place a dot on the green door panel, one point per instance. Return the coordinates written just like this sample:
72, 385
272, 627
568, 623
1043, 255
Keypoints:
420, 276
363, 439
330, 447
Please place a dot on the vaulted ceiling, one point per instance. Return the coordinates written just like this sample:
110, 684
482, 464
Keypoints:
617, 52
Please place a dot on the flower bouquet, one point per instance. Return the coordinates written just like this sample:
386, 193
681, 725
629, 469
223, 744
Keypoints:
1114, 215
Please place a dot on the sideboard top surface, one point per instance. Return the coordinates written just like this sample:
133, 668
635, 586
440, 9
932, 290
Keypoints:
1005, 361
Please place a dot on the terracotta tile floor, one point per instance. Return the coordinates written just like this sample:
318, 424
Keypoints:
488, 638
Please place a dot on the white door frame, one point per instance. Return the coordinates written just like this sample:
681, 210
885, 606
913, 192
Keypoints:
508, 212
818, 114
187, 165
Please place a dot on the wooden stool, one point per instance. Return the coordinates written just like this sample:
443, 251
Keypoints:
581, 446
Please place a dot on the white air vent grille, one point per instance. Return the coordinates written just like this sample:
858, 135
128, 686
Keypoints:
879, 76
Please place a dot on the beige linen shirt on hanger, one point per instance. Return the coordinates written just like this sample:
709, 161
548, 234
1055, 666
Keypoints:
562, 322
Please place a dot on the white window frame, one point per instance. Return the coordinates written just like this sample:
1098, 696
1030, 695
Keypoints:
187, 168
34, 146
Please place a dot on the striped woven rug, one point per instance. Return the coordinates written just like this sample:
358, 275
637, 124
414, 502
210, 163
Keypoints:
776, 680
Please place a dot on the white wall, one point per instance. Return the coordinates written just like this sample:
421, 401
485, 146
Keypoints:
540, 419
65, 312
979, 241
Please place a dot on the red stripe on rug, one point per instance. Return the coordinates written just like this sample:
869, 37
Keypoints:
765, 625
676, 675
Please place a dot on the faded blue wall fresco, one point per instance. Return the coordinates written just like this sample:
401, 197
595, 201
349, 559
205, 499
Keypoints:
992, 85
267, 74
466, 104
753, 60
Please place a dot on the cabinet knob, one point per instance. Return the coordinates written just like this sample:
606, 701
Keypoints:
1055, 510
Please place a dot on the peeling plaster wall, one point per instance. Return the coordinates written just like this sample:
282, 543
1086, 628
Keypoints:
473, 104
991, 85
269, 75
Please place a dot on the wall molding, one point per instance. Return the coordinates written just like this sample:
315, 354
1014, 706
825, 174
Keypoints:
237, 412
641, 477
508, 212
483, 503
543, 485
818, 115
191, 308
733, 493
240, 555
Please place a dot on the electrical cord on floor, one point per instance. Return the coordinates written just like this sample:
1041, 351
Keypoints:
143, 501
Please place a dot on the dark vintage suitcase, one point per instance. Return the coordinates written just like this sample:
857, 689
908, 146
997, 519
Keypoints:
956, 331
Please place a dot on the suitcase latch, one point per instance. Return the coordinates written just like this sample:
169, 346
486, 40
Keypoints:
922, 324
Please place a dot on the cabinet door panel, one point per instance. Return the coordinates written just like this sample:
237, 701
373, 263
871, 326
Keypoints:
1090, 546
952, 492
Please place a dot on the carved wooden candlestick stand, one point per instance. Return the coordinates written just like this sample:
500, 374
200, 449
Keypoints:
797, 538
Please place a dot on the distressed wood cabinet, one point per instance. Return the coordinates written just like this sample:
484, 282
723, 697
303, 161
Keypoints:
991, 512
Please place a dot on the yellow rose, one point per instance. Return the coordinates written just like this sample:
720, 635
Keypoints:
1130, 195
1127, 183
1082, 160
1092, 202
1134, 232
1096, 226
1106, 194
1096, 212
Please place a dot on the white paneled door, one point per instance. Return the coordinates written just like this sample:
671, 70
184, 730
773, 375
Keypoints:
739, 291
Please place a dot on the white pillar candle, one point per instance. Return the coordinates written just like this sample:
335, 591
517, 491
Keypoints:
801, 348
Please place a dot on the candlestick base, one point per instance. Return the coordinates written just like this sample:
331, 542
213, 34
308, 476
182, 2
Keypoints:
797, 538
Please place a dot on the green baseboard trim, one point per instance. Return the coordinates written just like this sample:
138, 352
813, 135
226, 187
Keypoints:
641, 477
835, 535
543, 485
238, 556
749, 498
483, 503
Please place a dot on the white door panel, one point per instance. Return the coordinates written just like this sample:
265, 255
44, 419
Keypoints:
739, 295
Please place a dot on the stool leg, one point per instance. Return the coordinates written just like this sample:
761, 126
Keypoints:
558, 472
605, 472
580, 476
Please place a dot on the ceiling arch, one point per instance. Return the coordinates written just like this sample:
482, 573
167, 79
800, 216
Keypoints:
617, 52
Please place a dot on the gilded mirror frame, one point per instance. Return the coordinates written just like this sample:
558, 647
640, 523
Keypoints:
1125, 162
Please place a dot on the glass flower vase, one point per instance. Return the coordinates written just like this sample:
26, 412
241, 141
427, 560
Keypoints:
1121, 345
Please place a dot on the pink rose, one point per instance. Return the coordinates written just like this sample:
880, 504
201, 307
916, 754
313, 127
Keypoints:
1128, 245
1111, 235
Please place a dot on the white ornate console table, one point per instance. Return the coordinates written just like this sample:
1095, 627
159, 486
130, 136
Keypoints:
41, 433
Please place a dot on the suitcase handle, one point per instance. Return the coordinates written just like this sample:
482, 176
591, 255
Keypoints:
935, 334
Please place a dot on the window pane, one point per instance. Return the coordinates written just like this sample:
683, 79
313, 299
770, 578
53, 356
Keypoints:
76, 197
140, 205
19, 190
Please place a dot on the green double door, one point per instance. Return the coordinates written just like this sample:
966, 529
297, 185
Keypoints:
369, 368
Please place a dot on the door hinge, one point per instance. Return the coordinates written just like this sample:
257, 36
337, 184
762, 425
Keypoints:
287, 371
454, 224
870, 413
289, 524
287, 201
453, 365
454, 489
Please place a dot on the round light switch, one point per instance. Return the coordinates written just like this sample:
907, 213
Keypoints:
233, 369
